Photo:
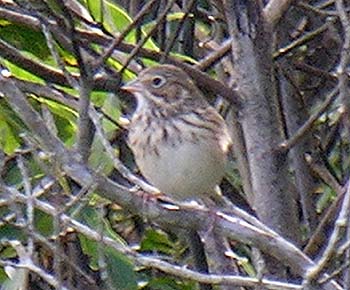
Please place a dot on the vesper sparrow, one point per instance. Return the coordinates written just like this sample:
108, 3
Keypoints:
179, 141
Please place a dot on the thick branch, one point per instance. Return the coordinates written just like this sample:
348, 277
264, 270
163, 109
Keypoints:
252, 53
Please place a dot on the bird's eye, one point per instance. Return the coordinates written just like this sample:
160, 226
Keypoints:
158, 81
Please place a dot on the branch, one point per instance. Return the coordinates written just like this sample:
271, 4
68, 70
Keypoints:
162, 213
303, 130
340, 223
275, 9
102, 82
148, 261
342, 72
27, 263
300, 41
136, 21
48, 74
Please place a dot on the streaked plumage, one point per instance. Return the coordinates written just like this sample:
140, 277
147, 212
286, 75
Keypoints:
179, 141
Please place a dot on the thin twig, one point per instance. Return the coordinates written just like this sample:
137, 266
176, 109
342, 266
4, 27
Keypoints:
339, 224
136, 21
318, 238
30, 204
215, 56
37, 270
96, 119
66, 259
304, 129
343, 83
54, 53
300, 41
320, 169
102, 82
85, 130
176, 33
159, 20
336, 272
148, 261
342, 72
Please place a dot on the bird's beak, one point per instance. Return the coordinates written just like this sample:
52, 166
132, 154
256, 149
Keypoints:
133, 87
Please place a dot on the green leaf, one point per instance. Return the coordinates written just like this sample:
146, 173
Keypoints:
99, 159
114, 19
3, 276
65, 119
8, 139
92, 218
155, 240
95, 9
325, 199
13, 177
25, 39
11, 232
120, 269
43, 223
21, 73
112, 108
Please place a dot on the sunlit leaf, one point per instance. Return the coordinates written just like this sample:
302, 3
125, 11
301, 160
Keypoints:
8, 139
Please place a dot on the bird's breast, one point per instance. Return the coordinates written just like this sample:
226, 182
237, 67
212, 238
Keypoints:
181, 162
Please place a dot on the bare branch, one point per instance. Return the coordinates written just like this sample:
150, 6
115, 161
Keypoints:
275, 9
286, 145
340, 223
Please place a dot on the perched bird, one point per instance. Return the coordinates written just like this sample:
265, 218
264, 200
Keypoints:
180, 142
